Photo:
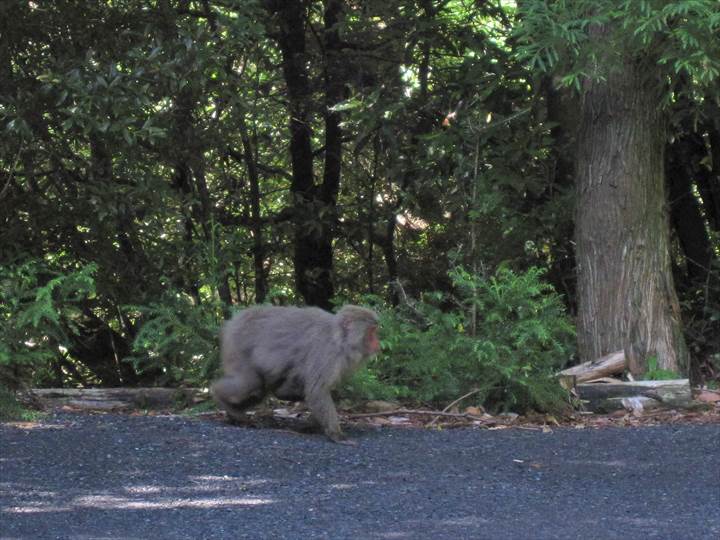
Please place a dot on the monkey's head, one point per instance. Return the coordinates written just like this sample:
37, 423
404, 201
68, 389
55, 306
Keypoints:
360, 329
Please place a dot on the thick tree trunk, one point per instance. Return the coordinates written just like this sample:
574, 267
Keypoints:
334, 94
312, 255
626, 294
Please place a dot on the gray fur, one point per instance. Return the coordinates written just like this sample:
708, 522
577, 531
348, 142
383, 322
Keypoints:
294, 353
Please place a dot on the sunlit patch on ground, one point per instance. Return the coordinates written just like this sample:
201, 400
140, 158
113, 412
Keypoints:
113, 502
116, 502
34, 425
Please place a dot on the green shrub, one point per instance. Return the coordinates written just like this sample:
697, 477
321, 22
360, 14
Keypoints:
654, 373
179, 337
39, 310
10, 408
431, 354
365, 384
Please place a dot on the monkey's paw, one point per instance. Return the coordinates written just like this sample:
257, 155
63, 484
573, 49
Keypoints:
341, 438
347, 442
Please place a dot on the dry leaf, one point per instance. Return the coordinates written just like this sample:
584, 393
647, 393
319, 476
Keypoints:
379, 406
708, 396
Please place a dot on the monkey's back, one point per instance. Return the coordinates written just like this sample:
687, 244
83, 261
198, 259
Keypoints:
270, 338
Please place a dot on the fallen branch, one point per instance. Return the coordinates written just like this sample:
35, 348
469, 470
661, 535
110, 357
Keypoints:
399, 412
458, 400
602, 367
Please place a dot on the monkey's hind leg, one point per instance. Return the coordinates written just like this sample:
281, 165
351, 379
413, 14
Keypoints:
235, 393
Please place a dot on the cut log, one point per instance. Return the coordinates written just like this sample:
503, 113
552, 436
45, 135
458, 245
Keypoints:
613, 396
119, 398
602, 367
638, 404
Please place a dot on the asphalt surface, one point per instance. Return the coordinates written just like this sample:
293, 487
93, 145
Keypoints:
112, 476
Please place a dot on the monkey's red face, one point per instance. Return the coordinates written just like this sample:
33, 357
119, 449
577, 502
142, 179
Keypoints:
372, 342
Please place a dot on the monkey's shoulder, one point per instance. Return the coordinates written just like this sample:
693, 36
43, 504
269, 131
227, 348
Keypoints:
358, 313
280, 313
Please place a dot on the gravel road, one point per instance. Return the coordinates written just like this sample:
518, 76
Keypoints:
113, 476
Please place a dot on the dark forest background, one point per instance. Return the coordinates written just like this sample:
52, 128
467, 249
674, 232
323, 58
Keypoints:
515, 186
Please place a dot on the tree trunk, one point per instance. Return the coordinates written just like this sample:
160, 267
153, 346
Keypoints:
312, 256
334, 94
261, 285
626, 295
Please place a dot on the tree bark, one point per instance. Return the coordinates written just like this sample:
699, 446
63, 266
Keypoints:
334, 94
312, 257
626, 295
261, 285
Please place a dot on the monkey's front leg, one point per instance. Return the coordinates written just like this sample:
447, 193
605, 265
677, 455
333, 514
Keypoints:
321, 405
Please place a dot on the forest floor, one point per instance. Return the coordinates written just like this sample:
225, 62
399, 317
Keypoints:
80, 475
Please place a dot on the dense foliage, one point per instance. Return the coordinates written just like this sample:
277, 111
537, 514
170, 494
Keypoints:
501, 337
164, 163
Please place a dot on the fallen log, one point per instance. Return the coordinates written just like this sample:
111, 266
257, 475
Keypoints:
119, 398
602, 397
602, 367
638, 404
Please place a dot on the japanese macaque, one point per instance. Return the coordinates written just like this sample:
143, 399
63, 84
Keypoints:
295, 354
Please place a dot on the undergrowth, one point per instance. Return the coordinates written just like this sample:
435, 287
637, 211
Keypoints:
434, 354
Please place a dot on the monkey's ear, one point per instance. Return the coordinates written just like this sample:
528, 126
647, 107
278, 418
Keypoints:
345, 324
345, 320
